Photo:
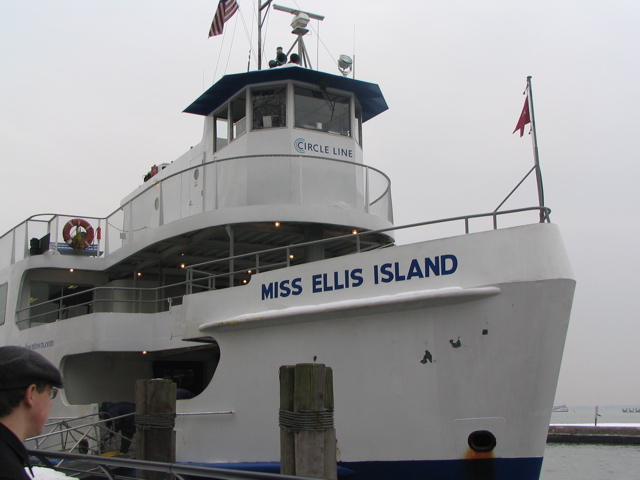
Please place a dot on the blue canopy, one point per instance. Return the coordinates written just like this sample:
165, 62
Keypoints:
368, 94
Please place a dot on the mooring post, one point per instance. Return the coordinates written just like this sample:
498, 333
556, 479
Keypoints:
287, 438
308, 437
155, 419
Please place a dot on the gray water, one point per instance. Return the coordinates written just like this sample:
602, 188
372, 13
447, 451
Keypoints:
592, 462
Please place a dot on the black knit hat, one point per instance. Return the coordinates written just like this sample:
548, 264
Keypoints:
20, 367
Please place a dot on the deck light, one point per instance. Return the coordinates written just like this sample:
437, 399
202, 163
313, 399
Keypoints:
345, 65
277, 224
182, 265
71, 270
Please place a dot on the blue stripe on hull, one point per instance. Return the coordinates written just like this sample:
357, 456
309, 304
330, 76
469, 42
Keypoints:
484, 469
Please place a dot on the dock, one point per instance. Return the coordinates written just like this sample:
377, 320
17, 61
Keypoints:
614, 435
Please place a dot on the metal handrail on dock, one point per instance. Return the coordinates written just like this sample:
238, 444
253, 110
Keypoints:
105, 467
93, 435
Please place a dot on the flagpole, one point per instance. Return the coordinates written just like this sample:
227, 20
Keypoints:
260, 22
536, 158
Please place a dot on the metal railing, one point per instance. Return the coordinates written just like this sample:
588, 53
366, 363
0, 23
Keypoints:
86, 435
199, 276
93, 439
215, 185
103, 300
121, 468
237, 270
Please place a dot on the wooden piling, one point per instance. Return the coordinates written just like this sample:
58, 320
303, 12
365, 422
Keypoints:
307, 435
155, 419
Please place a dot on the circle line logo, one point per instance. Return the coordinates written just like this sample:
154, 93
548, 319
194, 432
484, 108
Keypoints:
299, 145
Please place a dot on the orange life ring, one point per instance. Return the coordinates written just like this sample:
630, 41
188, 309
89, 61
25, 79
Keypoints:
83, 235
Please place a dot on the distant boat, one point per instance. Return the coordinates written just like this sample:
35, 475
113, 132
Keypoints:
559, 408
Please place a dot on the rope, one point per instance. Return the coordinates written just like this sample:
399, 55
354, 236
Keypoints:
156, 420
306, 421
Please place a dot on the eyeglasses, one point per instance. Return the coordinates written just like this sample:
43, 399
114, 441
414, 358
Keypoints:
53, 393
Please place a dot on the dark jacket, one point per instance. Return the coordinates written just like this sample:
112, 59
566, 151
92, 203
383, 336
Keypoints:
113, 410
13, 456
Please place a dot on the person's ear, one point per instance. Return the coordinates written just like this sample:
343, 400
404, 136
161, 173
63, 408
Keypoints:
29, 395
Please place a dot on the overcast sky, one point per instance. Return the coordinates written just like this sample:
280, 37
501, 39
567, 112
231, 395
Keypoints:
92, 93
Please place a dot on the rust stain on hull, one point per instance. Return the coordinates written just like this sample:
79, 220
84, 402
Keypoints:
479, 465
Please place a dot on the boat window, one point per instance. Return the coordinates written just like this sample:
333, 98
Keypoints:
220, 129
3, 302
238, 116
50, 302
269, 107
358, 129
319, 110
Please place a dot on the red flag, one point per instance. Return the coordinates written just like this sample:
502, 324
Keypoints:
226, 9
524, 118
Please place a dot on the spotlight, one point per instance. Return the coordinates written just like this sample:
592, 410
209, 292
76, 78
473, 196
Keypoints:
345, 64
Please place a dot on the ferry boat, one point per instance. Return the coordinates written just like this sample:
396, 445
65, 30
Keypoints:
272, 243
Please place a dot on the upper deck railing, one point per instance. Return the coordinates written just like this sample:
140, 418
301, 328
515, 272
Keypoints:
216, 185
237, 270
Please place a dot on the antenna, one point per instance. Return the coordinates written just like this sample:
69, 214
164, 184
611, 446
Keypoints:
294, 11
299, 26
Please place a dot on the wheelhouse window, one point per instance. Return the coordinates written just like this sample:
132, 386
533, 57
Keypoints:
320, 110
3, 302
269, 107
221, 129
238, 116
358, 128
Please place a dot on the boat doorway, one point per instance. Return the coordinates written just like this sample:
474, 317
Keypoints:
189, 376
97, 377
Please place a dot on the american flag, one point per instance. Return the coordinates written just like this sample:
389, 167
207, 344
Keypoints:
226, 9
